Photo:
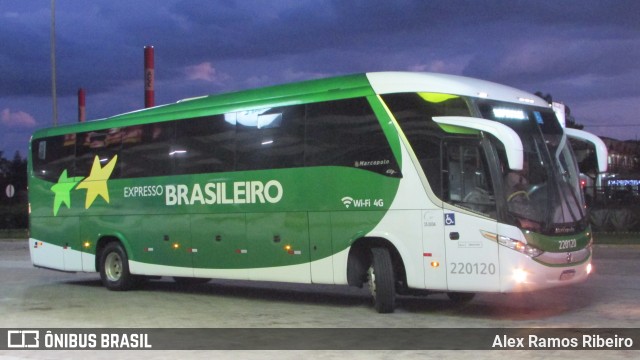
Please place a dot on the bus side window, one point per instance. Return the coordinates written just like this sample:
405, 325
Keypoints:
414, 113
429, 158
347, 133
204, 145
105, 144
269, 138
53, 155
146, 150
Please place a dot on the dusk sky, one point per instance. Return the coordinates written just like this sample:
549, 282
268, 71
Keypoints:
585, 53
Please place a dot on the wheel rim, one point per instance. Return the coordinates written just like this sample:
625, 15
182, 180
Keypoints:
113, 267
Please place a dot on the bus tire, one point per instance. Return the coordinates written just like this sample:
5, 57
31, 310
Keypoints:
114, 268
380, 278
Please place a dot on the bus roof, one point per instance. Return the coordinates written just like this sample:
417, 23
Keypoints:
278, 95
303, 92
395, 82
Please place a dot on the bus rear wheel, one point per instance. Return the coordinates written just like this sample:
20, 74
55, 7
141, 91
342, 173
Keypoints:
114, 268
380, 279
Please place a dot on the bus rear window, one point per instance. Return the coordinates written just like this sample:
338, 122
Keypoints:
51, 156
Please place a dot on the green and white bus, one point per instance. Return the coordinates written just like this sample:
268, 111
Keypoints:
402, 182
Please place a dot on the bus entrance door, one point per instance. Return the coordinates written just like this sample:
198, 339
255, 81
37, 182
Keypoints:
469, 218
472, 258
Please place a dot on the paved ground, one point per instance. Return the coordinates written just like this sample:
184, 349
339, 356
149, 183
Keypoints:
31, 297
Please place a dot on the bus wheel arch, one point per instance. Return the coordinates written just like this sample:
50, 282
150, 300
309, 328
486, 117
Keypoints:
377, 263
112, 262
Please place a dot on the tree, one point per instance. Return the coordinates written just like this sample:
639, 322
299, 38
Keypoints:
546, 97
14, 208
18, 171
570, 120
5, 168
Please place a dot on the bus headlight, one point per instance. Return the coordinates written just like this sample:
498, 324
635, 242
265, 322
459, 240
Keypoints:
517, 245
519, 276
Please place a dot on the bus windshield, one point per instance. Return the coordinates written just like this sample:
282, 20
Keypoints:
545, 195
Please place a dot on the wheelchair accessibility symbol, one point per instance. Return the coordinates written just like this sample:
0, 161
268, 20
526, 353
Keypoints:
449, 219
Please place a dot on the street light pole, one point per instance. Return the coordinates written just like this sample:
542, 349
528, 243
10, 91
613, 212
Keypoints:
53, 63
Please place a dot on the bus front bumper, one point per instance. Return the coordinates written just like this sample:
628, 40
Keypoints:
520, 273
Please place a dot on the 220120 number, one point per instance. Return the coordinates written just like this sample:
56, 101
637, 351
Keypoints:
461, 268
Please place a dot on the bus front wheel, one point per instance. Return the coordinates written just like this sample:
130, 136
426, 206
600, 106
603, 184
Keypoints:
381, 281
114, 268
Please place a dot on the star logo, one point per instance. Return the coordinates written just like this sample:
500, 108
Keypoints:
96, 182
62, 190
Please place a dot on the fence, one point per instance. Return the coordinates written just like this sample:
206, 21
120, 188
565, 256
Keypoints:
614, 209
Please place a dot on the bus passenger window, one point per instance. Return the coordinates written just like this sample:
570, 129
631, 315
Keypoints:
53, 155
204, 145
269, 138
103, 144
347, 133
146, 150
414, 112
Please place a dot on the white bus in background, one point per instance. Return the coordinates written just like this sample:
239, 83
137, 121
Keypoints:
592, 157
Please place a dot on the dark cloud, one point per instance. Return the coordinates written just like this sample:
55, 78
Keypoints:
24, 63
110, 35
579, 51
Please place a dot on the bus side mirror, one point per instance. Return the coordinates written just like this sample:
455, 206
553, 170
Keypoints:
506, 135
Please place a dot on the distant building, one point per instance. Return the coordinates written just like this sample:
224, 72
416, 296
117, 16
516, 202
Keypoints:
624, 156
